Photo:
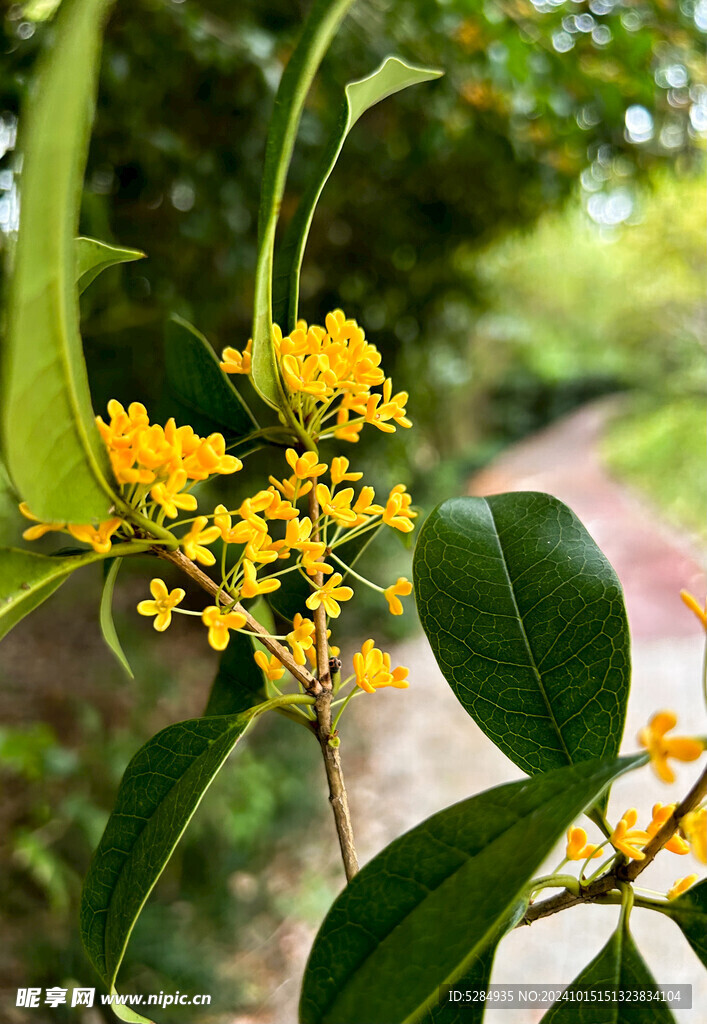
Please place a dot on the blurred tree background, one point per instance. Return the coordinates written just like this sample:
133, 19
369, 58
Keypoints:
519, 237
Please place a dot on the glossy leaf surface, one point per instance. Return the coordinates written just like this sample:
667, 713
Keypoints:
689, 911
392, 76
160, 791
415, 917
239, 682
618, 967
526, 619
203, 392
108, 629
27, 579
317, 32
53, 450
93, 256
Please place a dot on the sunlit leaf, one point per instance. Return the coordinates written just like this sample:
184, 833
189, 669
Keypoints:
392, 76
317, 32
619, 967
199, 386
93, 256
417, 915
159, 793
108, 629
53, 450
526, 619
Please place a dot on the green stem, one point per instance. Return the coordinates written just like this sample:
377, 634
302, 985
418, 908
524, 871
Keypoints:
554, 882
361, 579
343, 707
151, 528
627, 898
279, 702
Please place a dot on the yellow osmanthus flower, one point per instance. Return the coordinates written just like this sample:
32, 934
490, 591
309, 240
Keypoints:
35, 532
329, 594
628, 839
272, 668
337, 505
291, 486
306, 465
252, 586
167, 494
99, 537
373, 671
340, 471
194, 542
660, 748
301, 638
577, 846
393, 593
397, 512
312, 552
161, 606
694, 605
233, 361
681, 886
219, 621
694, 827
661, 813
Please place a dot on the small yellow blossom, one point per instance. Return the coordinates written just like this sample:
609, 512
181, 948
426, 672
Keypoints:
233, 361
694, 827
681, 886
397, 512
291, 487
577, 846
312, 553
694, 605
661, 813
162, 605
301, 638
167, 494
329, 594
272, 668
306, 465
194, 542
660, 749
35, 532
393, 593
219, 621
99, 537
626, 838
373, 672
337, 505
340, 471
251, 586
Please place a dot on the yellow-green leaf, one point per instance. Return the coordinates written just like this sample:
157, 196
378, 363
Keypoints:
53, 450
93, 256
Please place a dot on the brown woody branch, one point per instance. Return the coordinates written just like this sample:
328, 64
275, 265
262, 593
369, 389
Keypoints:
626, 872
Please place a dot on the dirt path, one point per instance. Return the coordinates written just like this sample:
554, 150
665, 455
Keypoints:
422, 752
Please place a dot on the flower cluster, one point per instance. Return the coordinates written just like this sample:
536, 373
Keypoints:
328, 373
155, 467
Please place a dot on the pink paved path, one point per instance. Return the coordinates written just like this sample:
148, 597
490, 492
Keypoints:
652, 561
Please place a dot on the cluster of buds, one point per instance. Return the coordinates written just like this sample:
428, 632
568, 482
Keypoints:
328, 373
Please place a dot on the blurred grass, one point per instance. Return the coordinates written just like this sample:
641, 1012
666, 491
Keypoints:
660, 450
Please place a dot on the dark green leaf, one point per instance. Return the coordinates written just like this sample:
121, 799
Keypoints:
415, 917
317, 32
392, 76
527, 622
93, 256
28, 579
199, 385
239, 682
160, 791
53, 450
689, 911
106, 615
618, 967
